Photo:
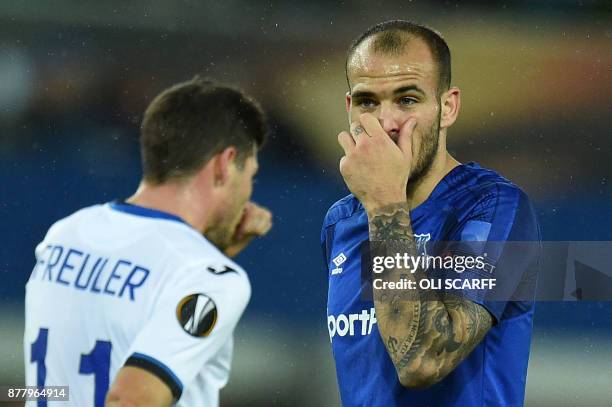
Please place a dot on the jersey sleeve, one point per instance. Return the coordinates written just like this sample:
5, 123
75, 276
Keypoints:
502, 230
326, 241
193, 318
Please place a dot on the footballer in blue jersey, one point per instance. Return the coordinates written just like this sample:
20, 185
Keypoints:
434, 348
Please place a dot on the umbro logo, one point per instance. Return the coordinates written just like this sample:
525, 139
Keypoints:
225, 269
338, 261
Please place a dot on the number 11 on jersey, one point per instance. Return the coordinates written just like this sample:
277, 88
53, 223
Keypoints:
96, 362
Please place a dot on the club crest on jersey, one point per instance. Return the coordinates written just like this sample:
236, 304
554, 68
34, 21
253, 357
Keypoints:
197, 315
421, 240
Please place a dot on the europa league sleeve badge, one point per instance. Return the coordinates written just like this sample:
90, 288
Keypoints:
197, 315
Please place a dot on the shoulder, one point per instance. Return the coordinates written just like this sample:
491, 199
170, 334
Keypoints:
184, 256
342, 209
486, 196
191, 268
201, 263
485, 187
87, 212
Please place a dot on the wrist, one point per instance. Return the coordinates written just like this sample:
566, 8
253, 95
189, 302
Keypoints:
379, 206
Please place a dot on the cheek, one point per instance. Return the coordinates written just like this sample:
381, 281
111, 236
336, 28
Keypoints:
249, 192
433, 113
425, 115
353, 114
244, 192
417, 138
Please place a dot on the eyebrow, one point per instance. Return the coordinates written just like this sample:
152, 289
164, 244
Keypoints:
363, 94
410, 88
403, 89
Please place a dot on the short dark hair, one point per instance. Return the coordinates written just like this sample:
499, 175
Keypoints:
390, 41
190, 122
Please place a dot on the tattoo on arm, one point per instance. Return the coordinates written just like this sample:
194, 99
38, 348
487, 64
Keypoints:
426, 336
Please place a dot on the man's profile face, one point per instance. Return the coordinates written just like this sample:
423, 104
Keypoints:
394, 88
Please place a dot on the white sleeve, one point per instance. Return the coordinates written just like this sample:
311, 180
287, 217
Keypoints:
193, 318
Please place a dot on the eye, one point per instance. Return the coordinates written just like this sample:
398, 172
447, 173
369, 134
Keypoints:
366, 103
407, 100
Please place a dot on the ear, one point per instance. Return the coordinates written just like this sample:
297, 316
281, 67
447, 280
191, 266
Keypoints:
348, 101
221, 165
450, 103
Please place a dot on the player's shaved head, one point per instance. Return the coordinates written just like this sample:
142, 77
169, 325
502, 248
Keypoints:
390, 38
188, 123
390, 42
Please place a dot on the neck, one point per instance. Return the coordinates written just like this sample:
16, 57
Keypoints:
175, 198
420, 190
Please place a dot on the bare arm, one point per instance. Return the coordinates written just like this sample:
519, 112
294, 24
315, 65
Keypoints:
426, 339
135, 387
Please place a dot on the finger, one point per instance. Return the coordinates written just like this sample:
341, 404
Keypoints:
252, 207
265, 217
346, 142
249, 216
263, 211
357, 131
262, 221
372, 125
260, 226
242, 227
404, 141
267, 225
342, 164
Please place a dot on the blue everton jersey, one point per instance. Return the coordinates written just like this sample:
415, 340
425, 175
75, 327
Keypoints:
469, 204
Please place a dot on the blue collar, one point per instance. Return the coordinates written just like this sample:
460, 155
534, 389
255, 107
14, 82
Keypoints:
125, 207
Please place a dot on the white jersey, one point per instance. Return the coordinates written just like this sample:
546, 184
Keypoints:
118, 284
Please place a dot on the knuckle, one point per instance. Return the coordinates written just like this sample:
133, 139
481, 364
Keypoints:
364, 146
344, 166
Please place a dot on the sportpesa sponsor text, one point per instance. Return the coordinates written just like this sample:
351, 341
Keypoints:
352, 324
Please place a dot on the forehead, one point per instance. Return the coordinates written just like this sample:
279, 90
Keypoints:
369, 68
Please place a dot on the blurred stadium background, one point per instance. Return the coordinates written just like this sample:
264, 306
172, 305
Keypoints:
536, 77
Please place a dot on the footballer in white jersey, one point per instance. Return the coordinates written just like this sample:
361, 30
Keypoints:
133, 285
129, 303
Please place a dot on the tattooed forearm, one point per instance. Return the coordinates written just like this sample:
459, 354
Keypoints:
426, 336
392, 223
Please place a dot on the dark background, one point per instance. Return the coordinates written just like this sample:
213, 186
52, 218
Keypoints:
536, 78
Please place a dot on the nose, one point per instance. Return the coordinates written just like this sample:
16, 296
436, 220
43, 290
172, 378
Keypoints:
390, 120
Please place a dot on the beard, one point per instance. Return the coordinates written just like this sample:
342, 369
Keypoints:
427, 153
220, 236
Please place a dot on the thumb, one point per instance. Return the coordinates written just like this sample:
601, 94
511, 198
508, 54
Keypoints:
404, 141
